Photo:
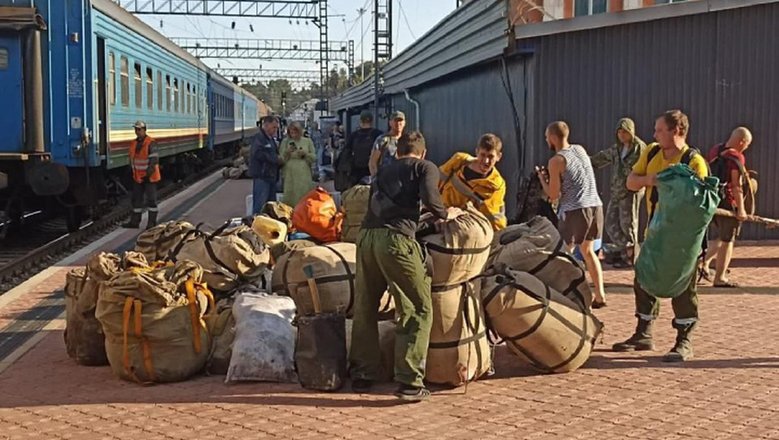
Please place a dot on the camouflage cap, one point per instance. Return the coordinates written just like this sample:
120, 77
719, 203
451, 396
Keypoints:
396, 115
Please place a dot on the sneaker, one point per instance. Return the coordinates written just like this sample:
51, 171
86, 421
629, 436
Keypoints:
361, 385
410, 393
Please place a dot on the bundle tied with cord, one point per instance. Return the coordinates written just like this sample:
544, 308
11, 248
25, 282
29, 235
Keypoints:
153, 319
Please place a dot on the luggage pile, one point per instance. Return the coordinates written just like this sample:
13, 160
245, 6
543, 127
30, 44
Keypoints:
270, 297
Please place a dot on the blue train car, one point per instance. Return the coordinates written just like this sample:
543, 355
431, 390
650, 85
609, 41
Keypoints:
76, 75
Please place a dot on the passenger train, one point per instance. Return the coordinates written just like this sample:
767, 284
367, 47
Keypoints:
75, 76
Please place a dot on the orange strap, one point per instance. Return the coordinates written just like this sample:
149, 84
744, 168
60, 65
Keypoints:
130, 305
144, 342
189, 285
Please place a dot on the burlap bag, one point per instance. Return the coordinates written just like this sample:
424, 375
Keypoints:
333, 266
354, 203
229, 257
459, 351
84, 339
154, 324
535, 247
460, 249
544, 328
157, 242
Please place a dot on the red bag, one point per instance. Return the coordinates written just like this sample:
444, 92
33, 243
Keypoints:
317, 216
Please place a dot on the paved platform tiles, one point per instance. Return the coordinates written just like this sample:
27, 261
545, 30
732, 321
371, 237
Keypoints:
730, 391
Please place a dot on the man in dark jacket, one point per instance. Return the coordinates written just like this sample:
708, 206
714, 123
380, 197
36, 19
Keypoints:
264, 163
353, 160
389, 256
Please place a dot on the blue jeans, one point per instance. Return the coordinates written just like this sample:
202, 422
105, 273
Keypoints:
263, 191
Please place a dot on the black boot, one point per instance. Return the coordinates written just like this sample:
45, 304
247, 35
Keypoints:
682, 350
134, 222
152, 220
640, 341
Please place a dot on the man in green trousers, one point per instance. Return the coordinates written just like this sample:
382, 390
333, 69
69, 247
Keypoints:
389, 256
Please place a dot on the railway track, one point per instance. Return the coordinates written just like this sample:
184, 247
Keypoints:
29, 251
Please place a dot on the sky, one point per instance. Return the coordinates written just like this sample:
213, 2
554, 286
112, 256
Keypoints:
411, 19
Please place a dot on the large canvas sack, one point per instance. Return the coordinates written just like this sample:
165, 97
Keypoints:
354, 202
278, 250
459, 351
668, 257
333, 267
544, 328
386, 345
153, 319
157, 242
84, 338
460, 248
264, 345
317, 215
229, 257
221, 325
535, 247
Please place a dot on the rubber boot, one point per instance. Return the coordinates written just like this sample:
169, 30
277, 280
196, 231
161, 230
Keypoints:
640, 341
134, 222
152, 222
682, 350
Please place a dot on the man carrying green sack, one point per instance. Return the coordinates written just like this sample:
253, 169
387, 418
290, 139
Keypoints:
671, 148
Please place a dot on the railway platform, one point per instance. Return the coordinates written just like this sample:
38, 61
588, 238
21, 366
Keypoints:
729, 391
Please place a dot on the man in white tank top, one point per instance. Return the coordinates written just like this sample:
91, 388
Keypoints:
570, 180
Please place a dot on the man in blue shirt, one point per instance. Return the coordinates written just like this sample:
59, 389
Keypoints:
264, 163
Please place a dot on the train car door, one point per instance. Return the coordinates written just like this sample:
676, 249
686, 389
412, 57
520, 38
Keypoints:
102, 106
11, 95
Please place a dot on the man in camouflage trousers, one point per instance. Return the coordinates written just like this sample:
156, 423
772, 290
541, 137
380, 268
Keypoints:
622, 211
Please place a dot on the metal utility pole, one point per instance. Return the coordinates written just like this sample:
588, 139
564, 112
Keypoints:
362, 12
382, 46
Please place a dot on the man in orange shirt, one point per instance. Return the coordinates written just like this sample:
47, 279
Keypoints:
144, 163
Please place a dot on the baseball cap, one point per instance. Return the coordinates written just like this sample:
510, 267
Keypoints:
139, 124
397, 115
366, 115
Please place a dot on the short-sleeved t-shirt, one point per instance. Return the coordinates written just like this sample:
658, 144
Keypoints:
659, 163
389, 145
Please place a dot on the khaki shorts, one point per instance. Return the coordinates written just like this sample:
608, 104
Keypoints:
724, 229
582, 224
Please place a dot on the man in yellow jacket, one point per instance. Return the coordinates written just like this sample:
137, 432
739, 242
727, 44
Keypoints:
465, 178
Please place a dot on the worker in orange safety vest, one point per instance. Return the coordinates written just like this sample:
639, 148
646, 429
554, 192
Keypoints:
144, 163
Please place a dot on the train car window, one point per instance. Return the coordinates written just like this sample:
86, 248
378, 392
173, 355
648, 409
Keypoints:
167, 92
159, 90
149, 88
176, 95
138, 86
189, 98
124, 66
3, 58
112, 78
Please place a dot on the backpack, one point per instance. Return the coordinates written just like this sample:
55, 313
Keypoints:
718, 164
362, 145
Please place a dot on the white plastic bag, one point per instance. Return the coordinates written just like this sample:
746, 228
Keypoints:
264, 345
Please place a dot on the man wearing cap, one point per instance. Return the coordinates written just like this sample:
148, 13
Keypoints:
144, 162
385, 147
353, 162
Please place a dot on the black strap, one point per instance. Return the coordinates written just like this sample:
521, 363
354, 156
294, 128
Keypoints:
654, 197
349, 276
456, 251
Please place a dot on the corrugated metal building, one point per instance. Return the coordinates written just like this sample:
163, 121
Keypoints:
717, 60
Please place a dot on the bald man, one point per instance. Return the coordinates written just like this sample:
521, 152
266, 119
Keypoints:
729, 164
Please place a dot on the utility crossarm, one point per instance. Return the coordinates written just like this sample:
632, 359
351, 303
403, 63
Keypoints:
307, 50
299, 77
292, 9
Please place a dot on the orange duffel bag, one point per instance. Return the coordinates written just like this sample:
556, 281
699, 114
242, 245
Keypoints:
317, 215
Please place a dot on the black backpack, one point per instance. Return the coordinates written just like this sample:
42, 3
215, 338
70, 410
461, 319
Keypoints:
362, 145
